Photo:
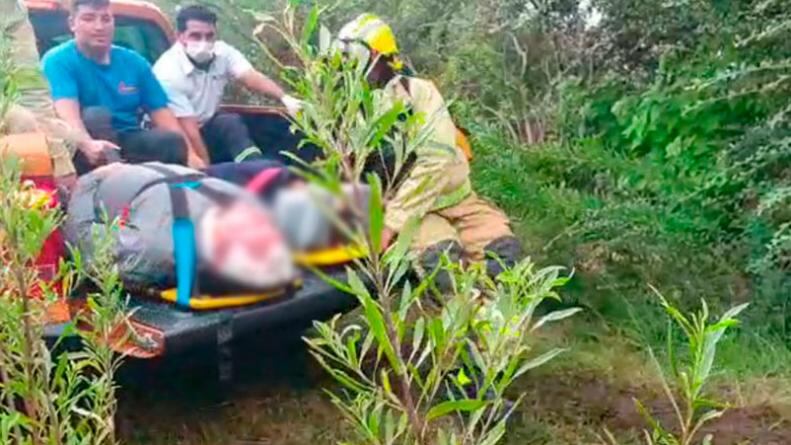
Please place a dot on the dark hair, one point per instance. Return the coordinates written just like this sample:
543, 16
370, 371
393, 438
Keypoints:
75, 4
195, 12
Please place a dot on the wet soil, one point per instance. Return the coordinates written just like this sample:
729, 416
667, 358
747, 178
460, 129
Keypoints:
595, 400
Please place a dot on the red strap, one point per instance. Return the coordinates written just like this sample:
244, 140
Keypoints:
124, 216
263, 179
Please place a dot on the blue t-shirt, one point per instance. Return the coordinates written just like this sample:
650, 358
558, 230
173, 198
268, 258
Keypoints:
127, 86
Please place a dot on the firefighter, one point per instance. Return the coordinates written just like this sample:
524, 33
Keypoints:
33, 110
453, 219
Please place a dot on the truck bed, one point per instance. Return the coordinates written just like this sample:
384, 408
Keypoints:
183, 330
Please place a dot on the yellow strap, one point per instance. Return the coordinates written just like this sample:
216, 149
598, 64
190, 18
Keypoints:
330, 257
207, 302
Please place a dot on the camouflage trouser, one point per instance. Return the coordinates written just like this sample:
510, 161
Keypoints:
470, 231
33, 87
34, 110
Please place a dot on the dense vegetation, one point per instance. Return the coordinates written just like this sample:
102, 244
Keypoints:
639, 142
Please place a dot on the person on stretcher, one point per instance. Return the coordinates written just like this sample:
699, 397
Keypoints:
240, 237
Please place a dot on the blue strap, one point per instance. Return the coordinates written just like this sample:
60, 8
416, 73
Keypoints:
184, 245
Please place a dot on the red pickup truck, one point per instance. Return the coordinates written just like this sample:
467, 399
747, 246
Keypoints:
166, 329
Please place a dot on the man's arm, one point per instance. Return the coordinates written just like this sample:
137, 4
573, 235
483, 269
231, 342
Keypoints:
242, 70
68, 110
261, 84
156, 102
164, 119
191, 130
258, 82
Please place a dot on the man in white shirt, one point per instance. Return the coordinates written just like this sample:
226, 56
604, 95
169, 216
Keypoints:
194, 73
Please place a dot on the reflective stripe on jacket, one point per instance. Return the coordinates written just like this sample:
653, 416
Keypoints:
440, 175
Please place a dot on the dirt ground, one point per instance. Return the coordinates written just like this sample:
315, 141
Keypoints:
595, 400
277, 398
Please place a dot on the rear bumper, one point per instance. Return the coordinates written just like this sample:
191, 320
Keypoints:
178, 331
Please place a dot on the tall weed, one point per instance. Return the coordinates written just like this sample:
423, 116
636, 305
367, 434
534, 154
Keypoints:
48, 393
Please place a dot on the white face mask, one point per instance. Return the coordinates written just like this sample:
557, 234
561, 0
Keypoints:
200, 52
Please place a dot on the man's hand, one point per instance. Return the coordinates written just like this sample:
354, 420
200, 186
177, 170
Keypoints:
95, 151
292, 104
195, 161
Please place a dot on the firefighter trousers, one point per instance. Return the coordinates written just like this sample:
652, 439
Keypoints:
33, 110
474, 230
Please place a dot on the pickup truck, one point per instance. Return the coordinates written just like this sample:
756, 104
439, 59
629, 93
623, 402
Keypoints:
163, 328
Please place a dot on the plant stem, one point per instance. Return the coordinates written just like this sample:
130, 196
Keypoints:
4, 379
409, 403
23, 287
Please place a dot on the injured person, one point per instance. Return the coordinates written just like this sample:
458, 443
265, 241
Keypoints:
173, 220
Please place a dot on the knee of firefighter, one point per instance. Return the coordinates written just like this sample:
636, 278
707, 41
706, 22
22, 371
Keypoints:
430, 260
431, 257
502, 252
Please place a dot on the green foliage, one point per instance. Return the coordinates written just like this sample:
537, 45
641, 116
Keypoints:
690, 374
416, 380
59, 399
703, 143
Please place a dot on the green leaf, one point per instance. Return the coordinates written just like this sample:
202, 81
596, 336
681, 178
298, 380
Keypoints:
325, 40
452, 406
462, 379
384, 124
734, 312
375, 319
341, 286
555, 316
376, 213
386, 382
417, 335
261, 17
708, 417
398, 252
351, 348
495, 435
539, 361
310, 24
408, 298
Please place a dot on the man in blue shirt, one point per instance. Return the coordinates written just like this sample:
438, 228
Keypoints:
104, 90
